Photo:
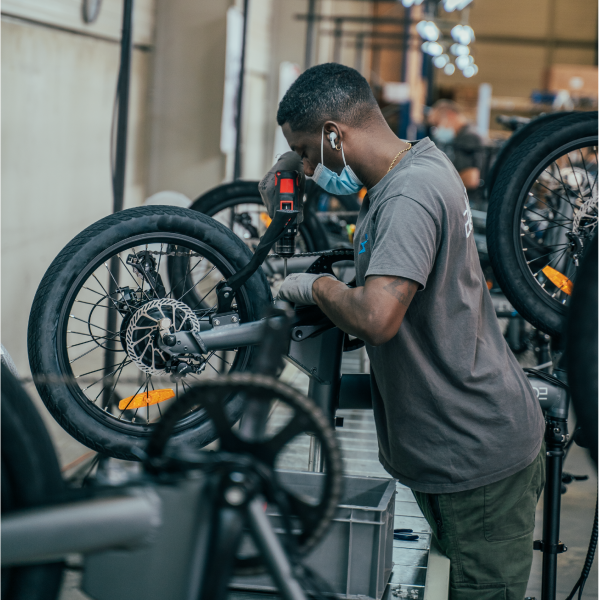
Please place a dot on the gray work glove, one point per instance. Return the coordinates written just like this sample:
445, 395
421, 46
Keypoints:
290, 161
297, 287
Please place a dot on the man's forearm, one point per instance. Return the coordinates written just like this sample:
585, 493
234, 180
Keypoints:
372, 312
341, 304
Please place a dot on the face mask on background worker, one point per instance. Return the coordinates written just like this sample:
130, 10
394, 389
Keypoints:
443, 135
340, 185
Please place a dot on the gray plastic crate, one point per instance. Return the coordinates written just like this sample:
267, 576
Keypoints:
355, 557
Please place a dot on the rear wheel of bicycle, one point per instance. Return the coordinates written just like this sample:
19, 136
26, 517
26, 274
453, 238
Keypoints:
542, 215
94, 324
30, 477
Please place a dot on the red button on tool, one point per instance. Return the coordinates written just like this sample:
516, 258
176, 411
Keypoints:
287, 186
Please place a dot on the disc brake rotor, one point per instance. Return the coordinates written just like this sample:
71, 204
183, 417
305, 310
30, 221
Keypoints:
585, 218
143, 331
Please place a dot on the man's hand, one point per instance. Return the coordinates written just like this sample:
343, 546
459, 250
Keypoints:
290, 161
298, 287
373, 312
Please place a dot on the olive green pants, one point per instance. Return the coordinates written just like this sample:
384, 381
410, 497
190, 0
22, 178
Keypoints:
487, 533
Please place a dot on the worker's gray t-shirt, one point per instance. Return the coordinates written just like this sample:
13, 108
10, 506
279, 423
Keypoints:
453, 408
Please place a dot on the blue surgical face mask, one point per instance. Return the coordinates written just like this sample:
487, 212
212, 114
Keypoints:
340, 185
444, 135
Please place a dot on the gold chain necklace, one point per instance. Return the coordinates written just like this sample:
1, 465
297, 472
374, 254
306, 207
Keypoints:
397, 155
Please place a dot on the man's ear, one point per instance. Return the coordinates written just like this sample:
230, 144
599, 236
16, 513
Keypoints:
332, 127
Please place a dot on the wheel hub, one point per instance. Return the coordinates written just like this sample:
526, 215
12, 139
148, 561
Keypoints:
154, 318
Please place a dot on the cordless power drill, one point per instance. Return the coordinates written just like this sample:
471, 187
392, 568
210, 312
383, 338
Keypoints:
286, 183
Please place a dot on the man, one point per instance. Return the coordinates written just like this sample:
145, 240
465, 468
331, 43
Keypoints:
460, 141
456, 419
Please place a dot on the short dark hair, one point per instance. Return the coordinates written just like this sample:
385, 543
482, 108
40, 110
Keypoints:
327, 91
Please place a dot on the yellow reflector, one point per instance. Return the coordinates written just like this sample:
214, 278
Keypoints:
265, 218
562, 282
146, 399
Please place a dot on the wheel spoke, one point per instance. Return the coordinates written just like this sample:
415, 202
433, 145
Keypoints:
574, 175
196, 284
207, 293
90, 351
561, 182
132, 397
184, 278
107, 294
100, 369
543, 255
546, 218
538, 199
587, 175
94, 305
120, 370
118, 288
105, 376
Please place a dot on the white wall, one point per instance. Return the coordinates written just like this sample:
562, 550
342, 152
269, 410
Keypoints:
58, 90
187, 96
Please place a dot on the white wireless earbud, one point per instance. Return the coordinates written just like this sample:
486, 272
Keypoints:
332, 138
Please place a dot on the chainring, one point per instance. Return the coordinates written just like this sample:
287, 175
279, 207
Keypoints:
313, 517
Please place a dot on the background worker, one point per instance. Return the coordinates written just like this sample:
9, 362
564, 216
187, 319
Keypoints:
461, 142
456, 418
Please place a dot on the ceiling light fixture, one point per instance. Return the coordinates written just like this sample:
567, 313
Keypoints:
432, 48
459, 49
441, 61
428, 30
463, 34
452, 5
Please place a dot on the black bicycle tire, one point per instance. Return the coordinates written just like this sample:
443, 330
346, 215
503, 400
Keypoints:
514, 141
61, 276
246, 192
517, 285
30, 477
581, 335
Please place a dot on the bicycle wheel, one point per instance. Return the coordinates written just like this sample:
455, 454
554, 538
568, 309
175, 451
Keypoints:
30, 477
542, 215
94, 323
